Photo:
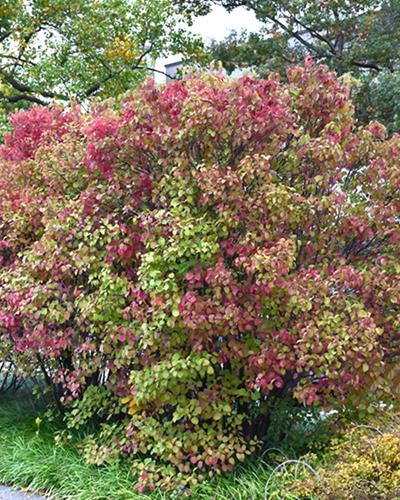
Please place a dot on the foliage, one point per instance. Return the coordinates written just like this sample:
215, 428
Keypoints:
30, 458
379, 97
178, 264
57, 49
365, 463
361, 37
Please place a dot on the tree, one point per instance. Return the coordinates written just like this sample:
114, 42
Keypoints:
57, 49
361, 37
180, 262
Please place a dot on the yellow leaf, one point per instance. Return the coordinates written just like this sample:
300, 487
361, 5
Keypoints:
133, 409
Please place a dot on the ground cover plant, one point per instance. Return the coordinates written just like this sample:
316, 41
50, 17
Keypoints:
363, 463
178, 263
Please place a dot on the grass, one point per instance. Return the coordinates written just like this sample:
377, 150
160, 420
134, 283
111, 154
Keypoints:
29, 459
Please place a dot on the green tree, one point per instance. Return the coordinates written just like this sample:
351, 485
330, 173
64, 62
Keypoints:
358, 36
75, 49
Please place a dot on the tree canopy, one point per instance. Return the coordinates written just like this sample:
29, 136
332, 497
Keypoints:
81, 48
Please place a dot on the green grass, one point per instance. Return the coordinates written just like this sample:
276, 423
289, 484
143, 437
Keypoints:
30, 459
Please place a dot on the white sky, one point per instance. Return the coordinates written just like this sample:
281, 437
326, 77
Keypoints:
218, 24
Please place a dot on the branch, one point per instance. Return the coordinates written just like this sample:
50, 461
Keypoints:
12, 99
366, 65
315, 34
21, 87
18, 59
94, 88
157, 71
6, 35
27, 39
320, 53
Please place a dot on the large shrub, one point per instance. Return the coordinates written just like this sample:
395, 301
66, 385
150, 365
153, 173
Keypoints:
178, 263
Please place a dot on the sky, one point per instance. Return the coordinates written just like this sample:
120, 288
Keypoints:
217, 25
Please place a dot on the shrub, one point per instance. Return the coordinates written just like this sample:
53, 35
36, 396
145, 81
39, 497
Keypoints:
177, 263
365, 463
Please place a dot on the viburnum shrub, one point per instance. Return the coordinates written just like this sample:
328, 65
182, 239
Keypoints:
178, 262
